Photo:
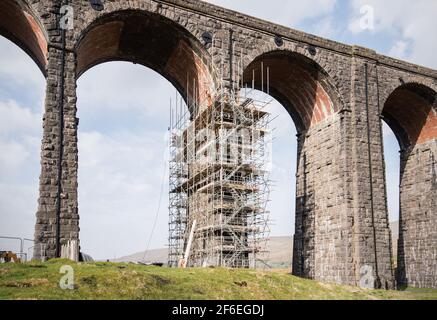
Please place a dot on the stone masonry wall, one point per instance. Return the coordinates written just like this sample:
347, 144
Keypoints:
417, 244
46, 227
371, 229
323, 237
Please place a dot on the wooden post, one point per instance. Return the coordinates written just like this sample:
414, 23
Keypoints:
184, 262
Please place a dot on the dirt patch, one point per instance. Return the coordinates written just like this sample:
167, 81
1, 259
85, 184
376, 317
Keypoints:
26, 283
242, 284
160, 280
38, 266
90, 281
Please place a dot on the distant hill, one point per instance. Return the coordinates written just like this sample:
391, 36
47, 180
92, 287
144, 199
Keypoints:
280, 251
156, 255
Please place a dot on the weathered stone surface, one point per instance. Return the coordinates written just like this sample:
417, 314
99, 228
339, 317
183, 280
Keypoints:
335, 93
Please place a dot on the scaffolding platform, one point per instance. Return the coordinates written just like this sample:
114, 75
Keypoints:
218, 178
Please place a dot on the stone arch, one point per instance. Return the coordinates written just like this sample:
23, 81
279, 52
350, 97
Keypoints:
84, 21
302, 85
154, 41
411, 112
291, 47
404, 79
19, 24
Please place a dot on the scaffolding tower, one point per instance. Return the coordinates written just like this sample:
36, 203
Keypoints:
218, 180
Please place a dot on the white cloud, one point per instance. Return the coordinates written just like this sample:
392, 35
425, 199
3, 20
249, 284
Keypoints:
20, 136
18, 66
325, 27
285, 12
411, 22
124, 111
392, 163
15, 118
18, 205
399, 50
12, 157
123, 87
283, 173
120, 176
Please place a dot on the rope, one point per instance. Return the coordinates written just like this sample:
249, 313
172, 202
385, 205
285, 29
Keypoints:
157, 212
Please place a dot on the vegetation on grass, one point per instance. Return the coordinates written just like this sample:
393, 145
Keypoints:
101, 280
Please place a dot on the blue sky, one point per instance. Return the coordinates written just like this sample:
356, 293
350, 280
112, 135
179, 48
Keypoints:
123, 111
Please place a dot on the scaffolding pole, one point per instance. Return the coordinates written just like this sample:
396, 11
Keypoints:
218, 180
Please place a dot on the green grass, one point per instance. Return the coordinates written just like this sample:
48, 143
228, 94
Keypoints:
127, 281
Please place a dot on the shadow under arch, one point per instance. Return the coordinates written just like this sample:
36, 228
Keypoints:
300, 84
154, 41
308, 94
411, 112
21, 26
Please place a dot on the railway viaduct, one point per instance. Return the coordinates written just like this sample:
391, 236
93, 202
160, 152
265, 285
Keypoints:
336, 94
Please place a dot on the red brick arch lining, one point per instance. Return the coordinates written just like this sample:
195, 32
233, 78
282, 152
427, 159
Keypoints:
153, 41
19, 25
298, 83
411, 112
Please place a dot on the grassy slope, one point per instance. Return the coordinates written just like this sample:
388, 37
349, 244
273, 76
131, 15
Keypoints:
122, 281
